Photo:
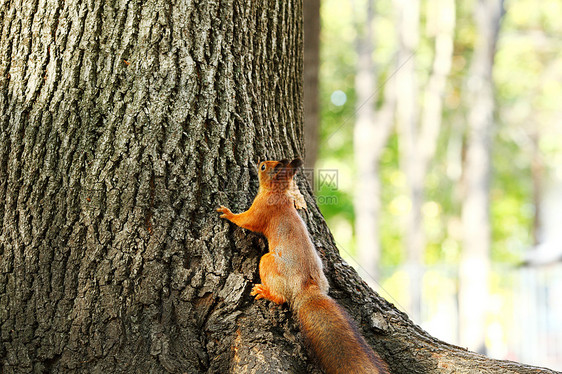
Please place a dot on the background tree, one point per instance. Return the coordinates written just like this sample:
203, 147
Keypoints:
527, 92
373, 125
407, 118
123, 126
475, 260
419, 114
311, 18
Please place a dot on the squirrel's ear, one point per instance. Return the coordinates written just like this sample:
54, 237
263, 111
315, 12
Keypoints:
296, 163
281, 164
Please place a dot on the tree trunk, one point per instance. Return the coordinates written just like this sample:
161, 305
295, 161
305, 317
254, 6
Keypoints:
371, 132
123, 127
475, 258
311, 15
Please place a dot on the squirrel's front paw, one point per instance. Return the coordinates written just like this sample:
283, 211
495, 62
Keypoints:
226, 212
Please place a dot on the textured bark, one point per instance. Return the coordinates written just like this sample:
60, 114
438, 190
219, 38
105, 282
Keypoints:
311, 15
475, 257
123, 127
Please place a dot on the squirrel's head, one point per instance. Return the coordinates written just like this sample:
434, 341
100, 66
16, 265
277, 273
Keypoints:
278, 174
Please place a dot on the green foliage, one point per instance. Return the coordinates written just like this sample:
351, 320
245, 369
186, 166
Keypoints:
528, 78
512, 211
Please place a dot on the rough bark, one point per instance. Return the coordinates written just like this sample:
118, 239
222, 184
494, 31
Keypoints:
311, 15
123, 126
475, 257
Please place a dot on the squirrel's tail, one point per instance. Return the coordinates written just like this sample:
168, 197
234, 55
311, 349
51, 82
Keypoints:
333, 337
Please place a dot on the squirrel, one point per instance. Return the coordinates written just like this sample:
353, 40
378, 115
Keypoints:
292, 272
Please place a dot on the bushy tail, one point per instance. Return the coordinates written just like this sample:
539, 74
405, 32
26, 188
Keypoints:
333, 337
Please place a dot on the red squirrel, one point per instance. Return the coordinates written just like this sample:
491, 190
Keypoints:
292, 272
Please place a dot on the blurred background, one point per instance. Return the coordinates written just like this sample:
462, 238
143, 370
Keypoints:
434, 143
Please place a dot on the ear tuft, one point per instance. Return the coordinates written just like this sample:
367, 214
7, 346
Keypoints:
296, 163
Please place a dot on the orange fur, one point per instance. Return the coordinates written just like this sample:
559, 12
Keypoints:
292, 272
333, 337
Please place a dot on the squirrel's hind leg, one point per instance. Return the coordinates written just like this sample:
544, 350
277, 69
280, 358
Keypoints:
261, 291
272, 282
